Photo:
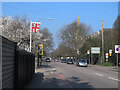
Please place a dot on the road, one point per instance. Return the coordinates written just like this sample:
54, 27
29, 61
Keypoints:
62, 75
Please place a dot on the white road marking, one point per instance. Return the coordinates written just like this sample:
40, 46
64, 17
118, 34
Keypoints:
99, 74
113, 79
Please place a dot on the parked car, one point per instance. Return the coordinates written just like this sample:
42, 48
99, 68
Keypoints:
56, 60
48, 60
63, 61
70, 61
53, 59
82, 62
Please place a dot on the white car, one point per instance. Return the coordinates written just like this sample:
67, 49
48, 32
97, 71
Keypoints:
82, 63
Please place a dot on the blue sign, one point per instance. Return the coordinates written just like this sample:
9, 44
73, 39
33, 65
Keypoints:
117, 49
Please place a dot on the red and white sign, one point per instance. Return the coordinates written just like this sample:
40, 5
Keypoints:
107, 54
35, 26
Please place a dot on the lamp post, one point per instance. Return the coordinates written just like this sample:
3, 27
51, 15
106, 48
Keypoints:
44, 19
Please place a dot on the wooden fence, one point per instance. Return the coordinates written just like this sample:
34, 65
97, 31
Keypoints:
18, 66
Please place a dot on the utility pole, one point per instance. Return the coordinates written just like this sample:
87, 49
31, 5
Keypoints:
102, 44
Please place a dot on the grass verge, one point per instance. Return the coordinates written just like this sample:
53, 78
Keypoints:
107, 64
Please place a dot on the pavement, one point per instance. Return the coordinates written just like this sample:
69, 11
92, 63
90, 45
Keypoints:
106, 68
62, 75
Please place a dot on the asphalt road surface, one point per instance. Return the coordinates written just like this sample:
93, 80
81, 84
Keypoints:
62, 75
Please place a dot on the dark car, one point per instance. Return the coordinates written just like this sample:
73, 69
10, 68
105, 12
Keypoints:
48, 60
70, 61
63, 61
81, 62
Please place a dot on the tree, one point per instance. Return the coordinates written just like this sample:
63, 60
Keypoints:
91, 41
74, 35
116, 32
17, 29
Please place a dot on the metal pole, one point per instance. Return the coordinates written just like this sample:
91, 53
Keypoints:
99, 58
30, 35
89, 58
117, 62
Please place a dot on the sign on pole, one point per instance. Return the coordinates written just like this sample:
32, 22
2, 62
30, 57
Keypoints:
107, 55
117, 48
110, 52
95, 50
88, 51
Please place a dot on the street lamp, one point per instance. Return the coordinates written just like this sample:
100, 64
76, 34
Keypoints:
45, 19
50, 18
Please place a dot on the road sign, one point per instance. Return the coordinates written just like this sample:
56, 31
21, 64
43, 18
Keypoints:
117, 48
88, 51
95, 50
107, 59
107, 54
110, 51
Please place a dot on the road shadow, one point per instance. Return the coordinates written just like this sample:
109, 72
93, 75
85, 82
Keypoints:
44, 66
73, 82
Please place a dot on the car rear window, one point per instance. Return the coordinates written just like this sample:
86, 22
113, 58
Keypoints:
82, 60
70, 60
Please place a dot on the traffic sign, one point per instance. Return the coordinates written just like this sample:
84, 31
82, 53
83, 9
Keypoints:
110, 51
88, 51
107, 54
95, 50
117, 48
